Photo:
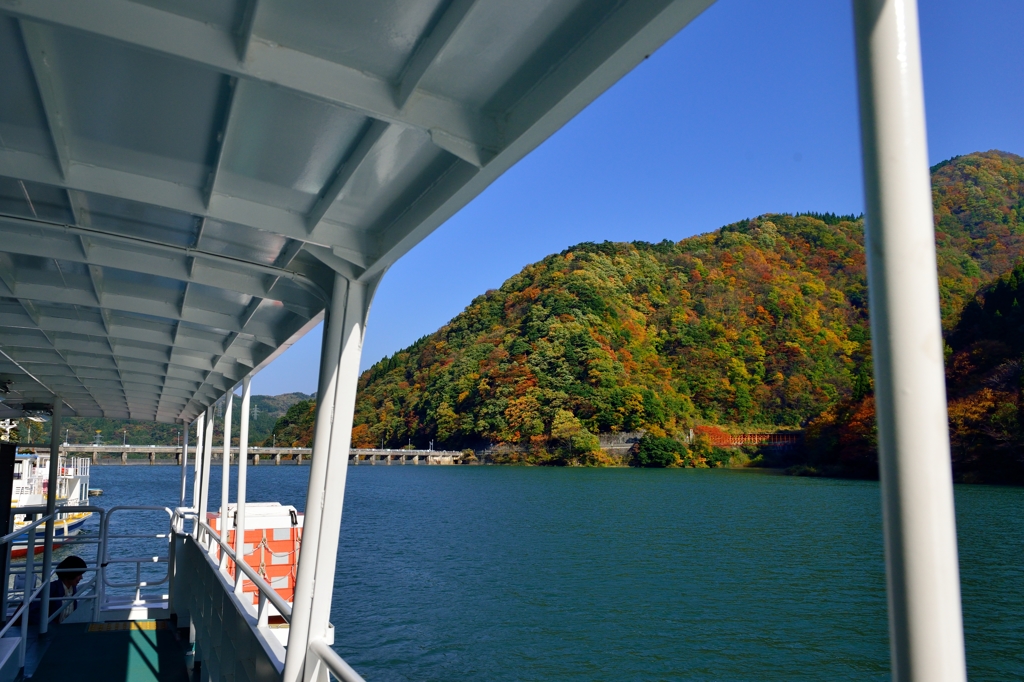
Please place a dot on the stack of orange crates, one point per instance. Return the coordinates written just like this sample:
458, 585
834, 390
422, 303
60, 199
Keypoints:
273, 536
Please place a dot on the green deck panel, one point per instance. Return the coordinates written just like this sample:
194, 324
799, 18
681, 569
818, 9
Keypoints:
132, 655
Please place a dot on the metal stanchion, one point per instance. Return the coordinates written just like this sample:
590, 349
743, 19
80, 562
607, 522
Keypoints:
925, 627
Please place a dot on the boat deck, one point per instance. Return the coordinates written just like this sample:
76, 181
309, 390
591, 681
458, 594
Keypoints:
135, 651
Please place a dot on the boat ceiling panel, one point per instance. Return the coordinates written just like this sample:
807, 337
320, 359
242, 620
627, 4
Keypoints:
182, 180
337, 31
116, 97
223, 14
22, 122
242, 243
278, 139
494, 41
404, 160
136, 219
27, 199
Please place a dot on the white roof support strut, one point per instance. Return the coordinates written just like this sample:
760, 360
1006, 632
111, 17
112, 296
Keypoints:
51, 505
225, 479
184, 461
925, 624
243, 457
204, 485
197, 469
336, 395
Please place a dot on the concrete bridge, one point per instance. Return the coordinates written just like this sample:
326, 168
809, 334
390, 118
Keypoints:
171, 454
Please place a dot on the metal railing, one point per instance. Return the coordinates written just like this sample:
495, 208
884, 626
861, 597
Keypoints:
106, 536
207, 537
210, 540
30, 593
319, 652
334, 663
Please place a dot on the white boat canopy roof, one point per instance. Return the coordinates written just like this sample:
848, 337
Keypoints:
181, 179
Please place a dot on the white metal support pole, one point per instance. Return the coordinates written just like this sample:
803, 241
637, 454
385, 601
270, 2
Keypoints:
243, 454
925, 625
339, 371
51, 505
184, 463
204, 486
197, 467
225, 479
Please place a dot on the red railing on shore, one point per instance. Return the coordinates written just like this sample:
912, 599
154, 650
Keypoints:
726, 440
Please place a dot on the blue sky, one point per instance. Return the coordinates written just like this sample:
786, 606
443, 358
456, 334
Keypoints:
749, 110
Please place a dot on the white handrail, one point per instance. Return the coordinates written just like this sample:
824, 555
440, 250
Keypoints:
105, 535
24, 529
262, 585
335, 663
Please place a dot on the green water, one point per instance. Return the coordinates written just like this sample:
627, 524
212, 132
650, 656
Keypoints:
504, 573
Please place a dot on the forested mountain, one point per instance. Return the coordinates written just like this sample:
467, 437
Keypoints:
265, 410
760, 324
295, 427
985, 390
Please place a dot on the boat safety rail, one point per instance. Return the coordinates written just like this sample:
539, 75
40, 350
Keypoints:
266, 592
335, 663
20, 617
10, 537
90, 591
138, 561
181, 515
29, 596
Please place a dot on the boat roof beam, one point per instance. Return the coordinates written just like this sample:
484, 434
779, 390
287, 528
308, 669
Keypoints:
181, 182
194, 41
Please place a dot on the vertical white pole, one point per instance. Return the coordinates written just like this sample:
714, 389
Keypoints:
197, 471
51, 505
204, 487
243, 454
339, 371
225, 480
925, 626
197, 465
184, 463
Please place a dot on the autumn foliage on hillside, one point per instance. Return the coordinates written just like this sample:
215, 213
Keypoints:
978, 201
760, 324
979, 213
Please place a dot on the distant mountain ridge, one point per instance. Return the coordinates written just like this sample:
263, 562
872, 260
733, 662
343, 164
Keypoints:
266, 409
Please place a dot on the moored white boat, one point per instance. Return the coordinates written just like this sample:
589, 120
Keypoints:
31, 480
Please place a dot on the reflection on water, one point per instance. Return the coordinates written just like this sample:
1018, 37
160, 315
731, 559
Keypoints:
505, 573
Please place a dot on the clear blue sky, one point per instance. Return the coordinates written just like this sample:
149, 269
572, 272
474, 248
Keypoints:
751, 109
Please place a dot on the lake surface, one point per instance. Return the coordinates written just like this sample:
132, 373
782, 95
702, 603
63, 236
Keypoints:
516, 573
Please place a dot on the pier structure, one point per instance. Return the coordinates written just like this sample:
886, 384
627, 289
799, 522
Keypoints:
170, 454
